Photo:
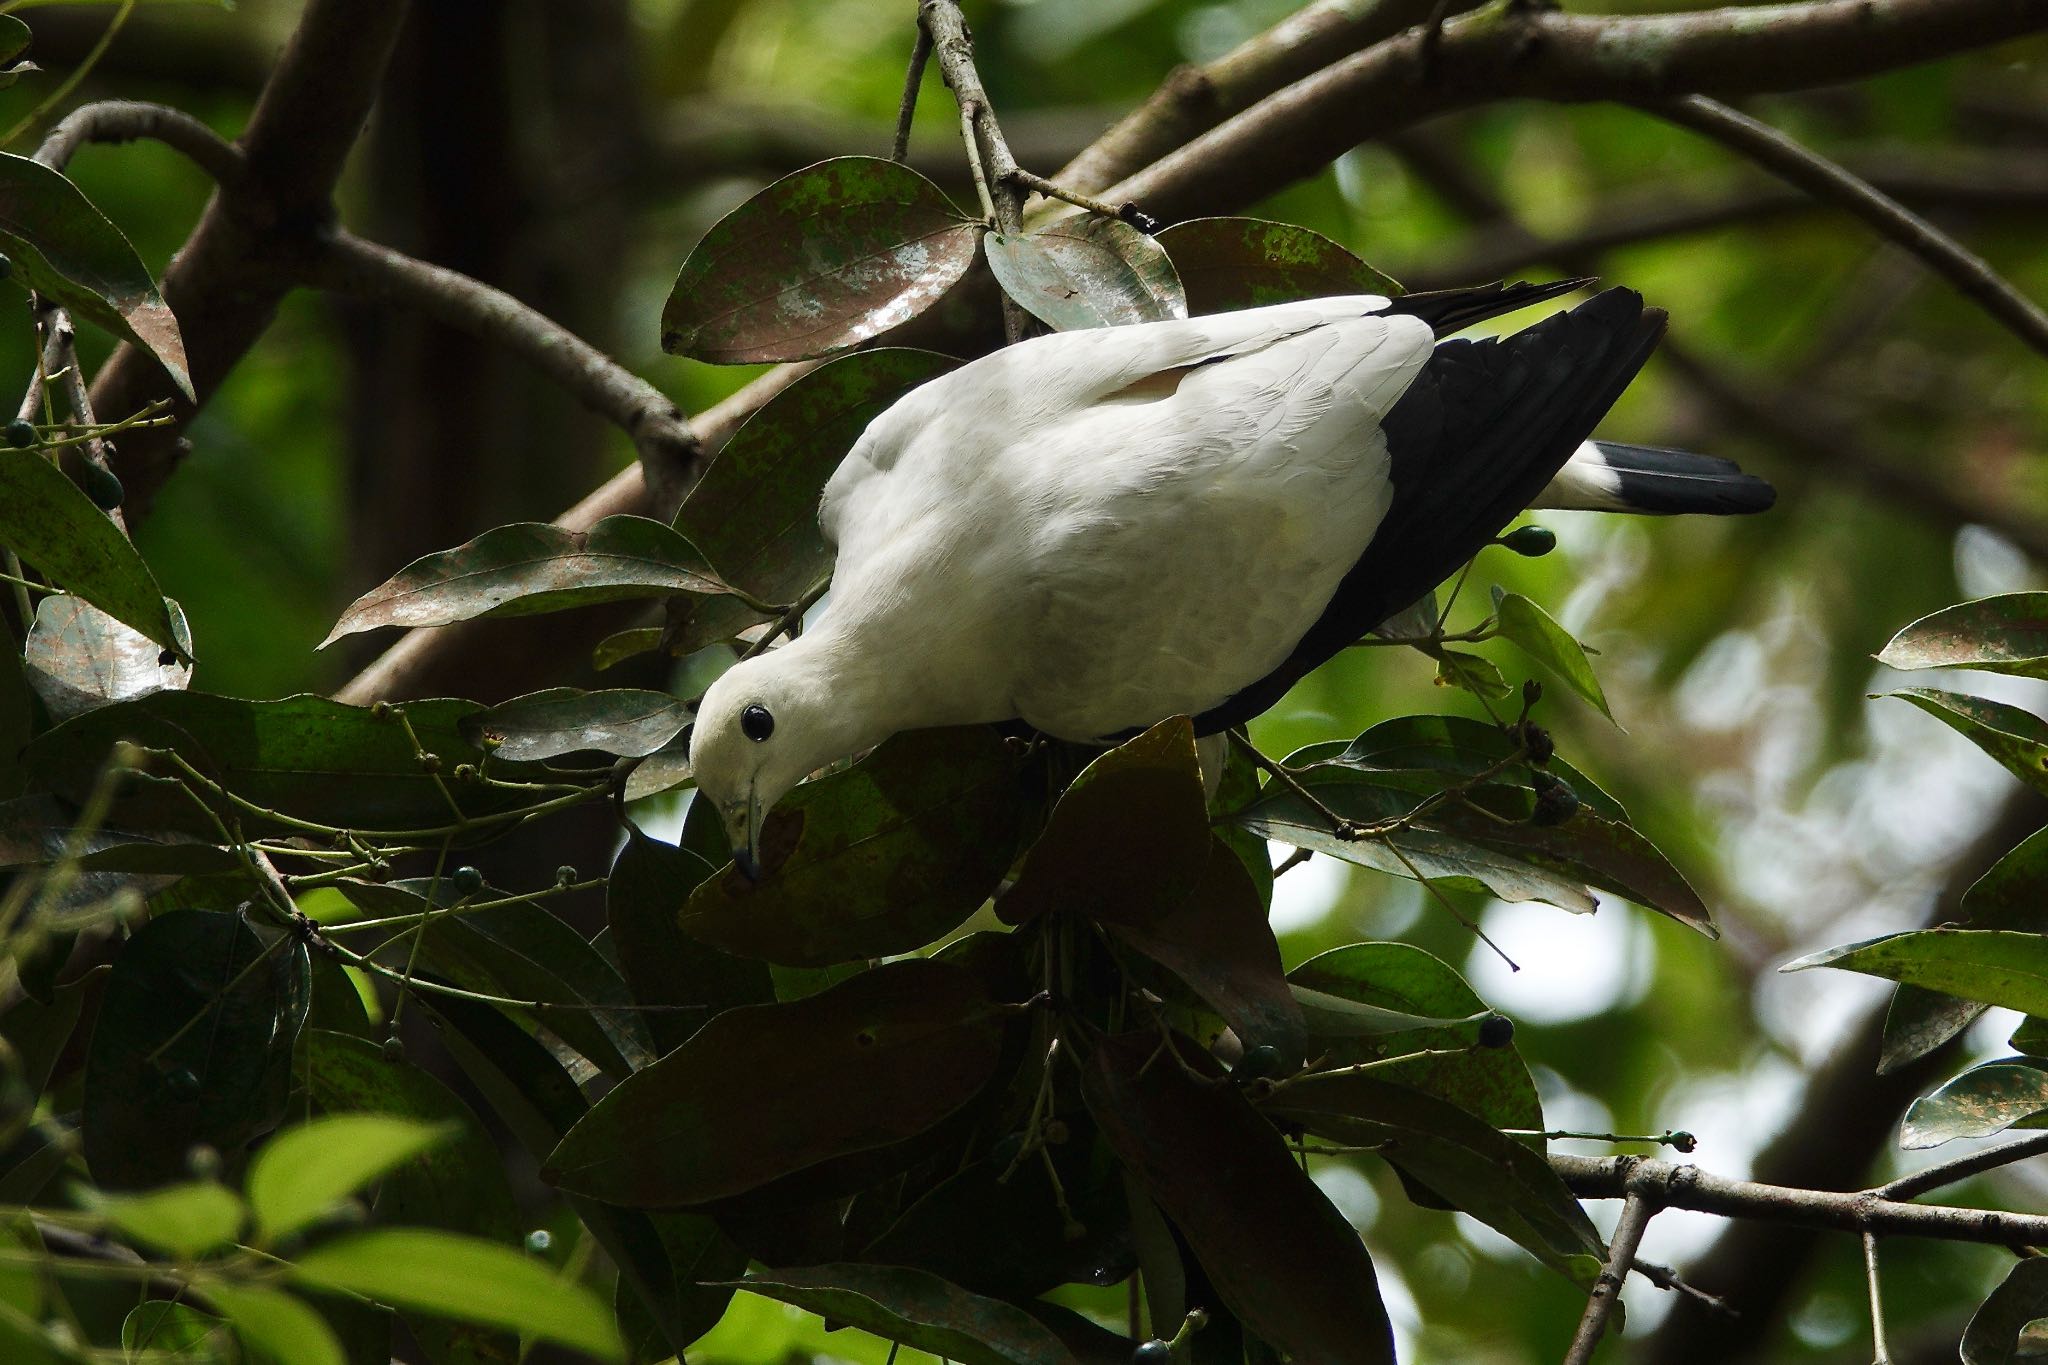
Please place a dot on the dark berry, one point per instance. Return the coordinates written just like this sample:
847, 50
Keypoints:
394, 1048
103, 486
1555, 802
1258, 1063
565, 876
21, 435
1536, 740
466, 880
1531, 542
1496, 1030
1532, 692
1153, 1352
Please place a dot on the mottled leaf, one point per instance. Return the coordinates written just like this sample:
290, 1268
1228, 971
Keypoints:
1279, 1254
664, 770
533, 567
873, 1061
1087, 271
918, 1309
2017, 739
822, 260
1997, 1332
1232, 263
1992, 966
65, 249
650, 883
1984, 1100
2003, 634
566, 720
78, 657
303, 1172
881, 858
754, 513
56, 528
1530, 628
193, 1045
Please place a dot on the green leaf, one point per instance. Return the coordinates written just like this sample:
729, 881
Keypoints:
2004, 634
186, 1219
305, 1171
1984, 1100
49, 523
1457, 745
532, 567
462, 1277
1993, 966
649, 885
1278, 1253
872, 1061
664, 770
881, 858
193, 1045
23, 1341
65, 249
1232, 263
2017, 739
172, 1328
1411, 984
1997, 1334
916, 1308
565, 720
78, 657
820, 261
1530, 628
277, 1326
1087, 271
1472, 673
616, 648
754, 513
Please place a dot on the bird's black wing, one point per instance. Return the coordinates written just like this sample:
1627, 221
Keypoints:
1483, 428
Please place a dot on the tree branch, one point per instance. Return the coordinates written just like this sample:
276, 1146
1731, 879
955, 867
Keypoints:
669, 451
1962, 1168
1965, 269
953, 44
1524, 52
1621, 1252
134, 121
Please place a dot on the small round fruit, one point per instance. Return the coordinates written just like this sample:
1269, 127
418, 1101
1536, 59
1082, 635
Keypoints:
1555, 802
19, 434
1531, 542
1153, 1352
466, 880
202, 1162
103, 486
1496, 1030
1537, 741
565, 876
1258, 1063
539, 1241
394, 1048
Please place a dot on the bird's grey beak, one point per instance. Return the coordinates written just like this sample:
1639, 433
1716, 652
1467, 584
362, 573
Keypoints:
743, 819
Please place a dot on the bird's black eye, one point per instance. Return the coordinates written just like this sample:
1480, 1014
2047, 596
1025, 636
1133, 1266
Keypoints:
756, 724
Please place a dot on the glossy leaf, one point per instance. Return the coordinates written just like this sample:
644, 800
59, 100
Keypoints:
881, 858
532, 567
1232, 263
154, 1088
2017, 739
1087, 271
462, 1277
1530, 628
1129, 836
665, 770
1997, 1334
47, 521
78, 657
66, 250
1492, 1083
872, 1061
1984, 1100
754, 514
1992, 966
650, 883
2003, 634
820, 261
918, 1309
565, 720
280, 1328
1279, 1254
185, 1220
305, 1171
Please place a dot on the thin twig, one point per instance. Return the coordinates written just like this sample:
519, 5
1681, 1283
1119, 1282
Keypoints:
1880, 1348
1962, 1168
988, 151
137, 120
1124, 213
1970, 273
920, 53
1621, 1254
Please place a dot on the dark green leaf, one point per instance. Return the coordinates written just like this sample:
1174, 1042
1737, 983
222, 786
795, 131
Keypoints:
881, 858
160, 1325
533, 567
1472, 673
303, 1172
1279, 1254
1529, 627
1129, 836
1459, 746
1232, 263
616, 648
155, 1087
2017, 739
650, 883
78, 657
820, 261
1997, 1332
1984, 1100
1993, 966
754, 514
564, 720
49, 523
462, 1277
1087, 271
39, 1031
918, 1309
2005, 634
873, 1061
664, 770
1490, 1082
279, 1327
65, 249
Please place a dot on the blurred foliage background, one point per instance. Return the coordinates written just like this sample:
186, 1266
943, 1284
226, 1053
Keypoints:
571, 154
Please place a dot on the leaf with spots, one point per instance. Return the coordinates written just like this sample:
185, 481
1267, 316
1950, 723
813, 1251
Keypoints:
1087, 272
1232, 263
566, 720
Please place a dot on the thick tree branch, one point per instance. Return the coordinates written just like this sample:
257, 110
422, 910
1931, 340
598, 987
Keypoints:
669, 451
1523, 52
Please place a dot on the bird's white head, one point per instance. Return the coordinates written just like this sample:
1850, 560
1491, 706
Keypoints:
760, 729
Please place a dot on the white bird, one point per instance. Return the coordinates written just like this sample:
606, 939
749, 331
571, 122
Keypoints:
1090, 531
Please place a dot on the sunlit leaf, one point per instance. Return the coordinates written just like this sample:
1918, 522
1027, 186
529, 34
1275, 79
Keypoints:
1984, 1100
2003, 634
1993, 966
306, 1170
918, 1309
565, 720
820, 261
2017, 739
1087, 271
872, 1061
47, 521
1997, 1332
533, 567
1530, 628
1232, 263
78, 657
1472, 673
281, 1328
186, 1219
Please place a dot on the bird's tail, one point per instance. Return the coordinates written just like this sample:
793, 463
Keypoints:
1606, 476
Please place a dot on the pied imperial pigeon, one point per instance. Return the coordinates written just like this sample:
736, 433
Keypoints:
1091, 531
